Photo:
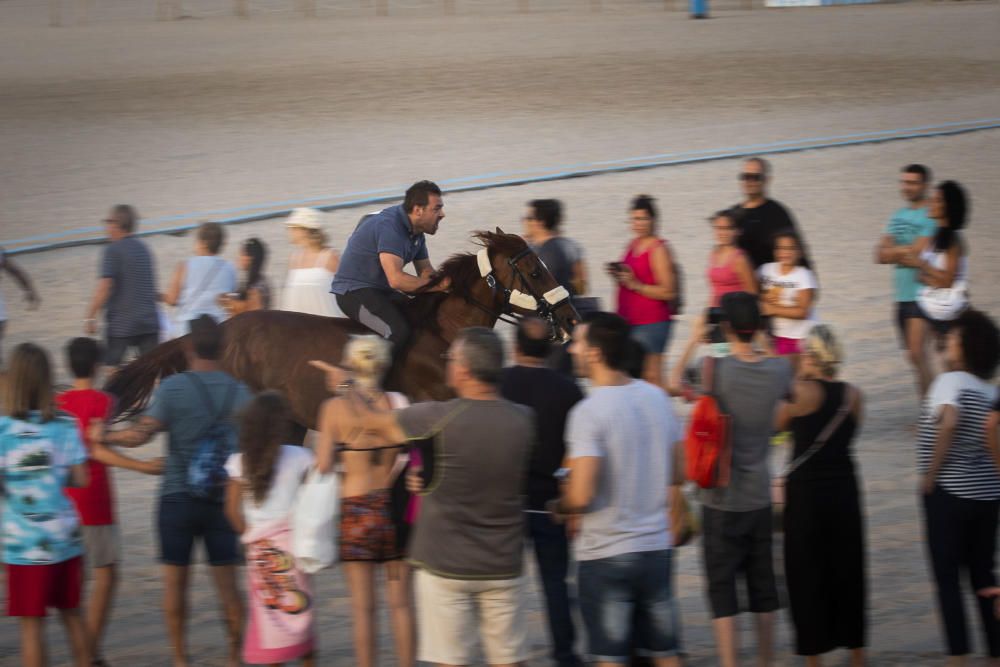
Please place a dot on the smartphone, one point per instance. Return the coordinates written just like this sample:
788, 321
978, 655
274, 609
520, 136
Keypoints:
615, 267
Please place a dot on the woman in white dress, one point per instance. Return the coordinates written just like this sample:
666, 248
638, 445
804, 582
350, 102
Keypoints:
311, 267
199, 281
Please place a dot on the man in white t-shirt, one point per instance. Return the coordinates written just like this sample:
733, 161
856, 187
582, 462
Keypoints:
623, 448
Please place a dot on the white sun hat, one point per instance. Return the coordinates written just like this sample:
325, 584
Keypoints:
307, 218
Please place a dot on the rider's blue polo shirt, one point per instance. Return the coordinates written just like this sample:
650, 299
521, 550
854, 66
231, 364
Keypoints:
386, 231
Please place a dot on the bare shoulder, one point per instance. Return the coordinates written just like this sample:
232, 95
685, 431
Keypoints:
807, 395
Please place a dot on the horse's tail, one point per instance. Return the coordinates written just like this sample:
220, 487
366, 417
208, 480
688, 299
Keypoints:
133, 385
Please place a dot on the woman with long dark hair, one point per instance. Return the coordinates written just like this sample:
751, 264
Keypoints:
264, 480
254, 292
944, 264
645, 277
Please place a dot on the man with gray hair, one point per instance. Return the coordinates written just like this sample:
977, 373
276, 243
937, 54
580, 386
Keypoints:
468, 543
126, 291
759, 218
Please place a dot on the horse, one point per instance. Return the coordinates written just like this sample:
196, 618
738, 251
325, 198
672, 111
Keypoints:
271, 349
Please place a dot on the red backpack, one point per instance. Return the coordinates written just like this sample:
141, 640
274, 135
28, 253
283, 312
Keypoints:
707, 446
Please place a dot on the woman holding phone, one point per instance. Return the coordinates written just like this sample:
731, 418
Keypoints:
645, 277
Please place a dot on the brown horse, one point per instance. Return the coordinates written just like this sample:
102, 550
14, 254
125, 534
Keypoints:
270, 349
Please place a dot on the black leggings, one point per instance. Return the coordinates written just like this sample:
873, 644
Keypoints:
961, 535
380, 311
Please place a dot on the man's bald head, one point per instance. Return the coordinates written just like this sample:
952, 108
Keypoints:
533, 335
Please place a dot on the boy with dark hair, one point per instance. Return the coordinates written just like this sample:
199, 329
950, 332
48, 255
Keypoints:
551, 394
95, 502
736, 519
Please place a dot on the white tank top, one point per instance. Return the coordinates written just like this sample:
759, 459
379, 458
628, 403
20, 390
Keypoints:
938, 259
307, 290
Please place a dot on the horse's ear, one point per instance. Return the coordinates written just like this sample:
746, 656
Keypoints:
499, 231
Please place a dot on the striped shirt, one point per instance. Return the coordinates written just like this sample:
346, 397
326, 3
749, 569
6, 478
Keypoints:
968, 470
131, 306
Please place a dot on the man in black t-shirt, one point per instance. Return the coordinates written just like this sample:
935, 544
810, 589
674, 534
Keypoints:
551, 395
760, 218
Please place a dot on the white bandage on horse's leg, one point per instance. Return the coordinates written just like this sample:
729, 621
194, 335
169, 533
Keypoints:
483, 259
521, 300
555, 295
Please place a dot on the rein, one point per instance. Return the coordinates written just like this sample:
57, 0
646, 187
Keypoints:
542, 305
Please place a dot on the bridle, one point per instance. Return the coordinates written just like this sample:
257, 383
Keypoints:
543, 305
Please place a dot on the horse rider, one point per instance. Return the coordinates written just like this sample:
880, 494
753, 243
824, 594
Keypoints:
370, 285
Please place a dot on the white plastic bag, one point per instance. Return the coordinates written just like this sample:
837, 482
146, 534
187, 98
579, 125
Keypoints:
944, 303
315, 521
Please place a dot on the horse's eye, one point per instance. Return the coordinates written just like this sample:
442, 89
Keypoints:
536, 274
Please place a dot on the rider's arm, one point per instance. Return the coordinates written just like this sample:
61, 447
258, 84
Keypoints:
399, 279
424, 267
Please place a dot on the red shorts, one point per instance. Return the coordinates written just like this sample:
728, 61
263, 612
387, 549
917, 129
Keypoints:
33, 588
786, 346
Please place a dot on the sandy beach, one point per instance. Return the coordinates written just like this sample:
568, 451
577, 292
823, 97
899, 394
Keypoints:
218, 113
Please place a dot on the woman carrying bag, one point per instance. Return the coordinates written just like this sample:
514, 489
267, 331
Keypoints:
823, 525
264, 482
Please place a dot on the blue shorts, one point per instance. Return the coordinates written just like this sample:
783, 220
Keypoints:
654, 337
627, 603
181, 518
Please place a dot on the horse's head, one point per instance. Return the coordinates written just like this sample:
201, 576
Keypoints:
521, 282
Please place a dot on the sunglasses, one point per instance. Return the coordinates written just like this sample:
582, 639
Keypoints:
752, 177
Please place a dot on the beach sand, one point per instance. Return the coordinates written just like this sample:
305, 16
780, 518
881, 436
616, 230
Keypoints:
218, 113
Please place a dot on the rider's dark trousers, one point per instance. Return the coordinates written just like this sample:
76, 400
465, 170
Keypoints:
379, 310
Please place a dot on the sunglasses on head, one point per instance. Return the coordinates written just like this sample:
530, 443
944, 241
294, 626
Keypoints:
751, 177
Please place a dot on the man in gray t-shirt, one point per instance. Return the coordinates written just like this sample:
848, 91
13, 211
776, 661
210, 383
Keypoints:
624, 477
468, 543
736, 519
126, 290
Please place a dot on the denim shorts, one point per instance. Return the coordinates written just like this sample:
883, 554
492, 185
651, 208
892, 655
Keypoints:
627, 603
654, 337
181, 518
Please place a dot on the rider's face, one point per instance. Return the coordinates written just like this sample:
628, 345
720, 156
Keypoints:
427, 218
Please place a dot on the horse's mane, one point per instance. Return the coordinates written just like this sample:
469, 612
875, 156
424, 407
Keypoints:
463, 268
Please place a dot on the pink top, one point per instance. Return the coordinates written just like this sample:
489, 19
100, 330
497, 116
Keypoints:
634, 307
724, 279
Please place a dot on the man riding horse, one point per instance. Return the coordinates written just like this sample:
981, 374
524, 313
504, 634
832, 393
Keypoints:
371, 286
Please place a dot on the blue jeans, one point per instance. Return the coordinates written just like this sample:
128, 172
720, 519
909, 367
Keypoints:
552, 552
654, 337
627, 602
